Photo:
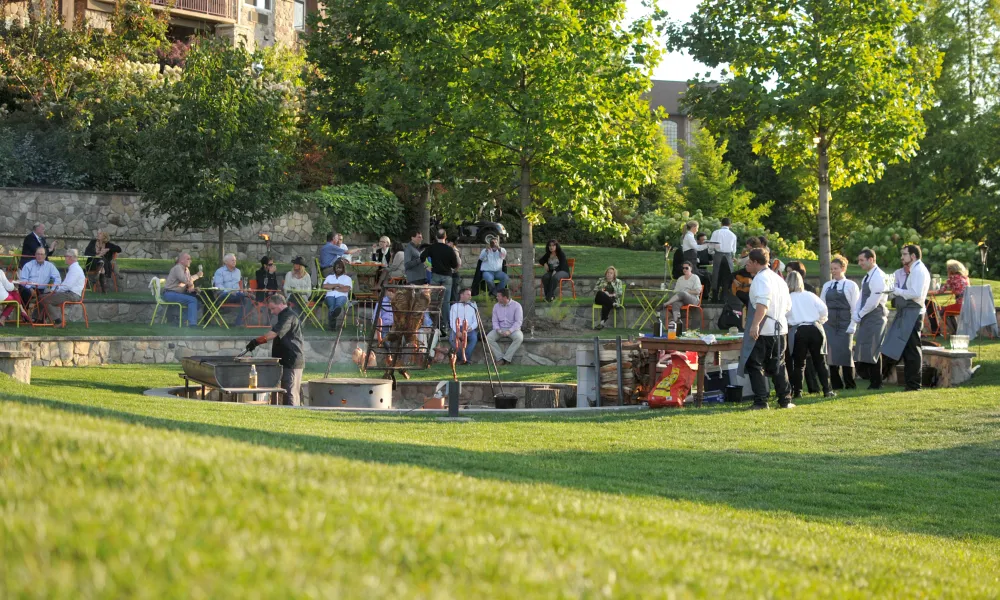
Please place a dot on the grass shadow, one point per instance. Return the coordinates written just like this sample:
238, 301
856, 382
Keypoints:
947, 492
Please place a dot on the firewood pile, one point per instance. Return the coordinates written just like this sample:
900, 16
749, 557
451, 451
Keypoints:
608, 373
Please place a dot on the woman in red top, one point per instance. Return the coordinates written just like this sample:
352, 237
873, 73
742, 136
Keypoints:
958, 280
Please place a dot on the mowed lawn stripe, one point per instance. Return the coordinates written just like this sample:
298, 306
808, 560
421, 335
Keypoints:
97, 507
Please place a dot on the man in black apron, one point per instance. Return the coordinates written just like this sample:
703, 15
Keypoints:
763, 352
869, 321
902, 340
690, 247
841, 296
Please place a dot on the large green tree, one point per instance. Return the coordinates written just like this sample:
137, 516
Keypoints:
710, 184
221, 155
947, 188
541, 96
838, 85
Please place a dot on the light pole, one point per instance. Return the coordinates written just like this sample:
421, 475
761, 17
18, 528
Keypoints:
983, 252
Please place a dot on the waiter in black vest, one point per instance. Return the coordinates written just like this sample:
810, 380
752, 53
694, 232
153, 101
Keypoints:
902, 340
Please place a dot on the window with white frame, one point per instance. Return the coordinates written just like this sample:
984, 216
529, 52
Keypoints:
670, 132
259, 4
299, 18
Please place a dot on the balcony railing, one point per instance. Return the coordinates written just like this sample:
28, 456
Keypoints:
216, 8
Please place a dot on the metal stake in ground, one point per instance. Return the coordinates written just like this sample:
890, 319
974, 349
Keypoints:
333, 351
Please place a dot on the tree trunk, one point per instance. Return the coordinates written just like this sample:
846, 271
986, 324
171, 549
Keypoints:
824, 209
222, 240
527, 244
424, 213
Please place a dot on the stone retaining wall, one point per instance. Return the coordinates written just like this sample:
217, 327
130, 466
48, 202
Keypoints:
73, 216
91, 351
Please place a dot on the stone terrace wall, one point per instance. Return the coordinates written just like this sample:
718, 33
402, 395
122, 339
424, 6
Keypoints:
74, 216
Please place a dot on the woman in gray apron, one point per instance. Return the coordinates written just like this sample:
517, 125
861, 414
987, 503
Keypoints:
839, 341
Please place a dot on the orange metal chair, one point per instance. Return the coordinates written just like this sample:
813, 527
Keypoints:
572, 284
62, 308
687, 308
259, 308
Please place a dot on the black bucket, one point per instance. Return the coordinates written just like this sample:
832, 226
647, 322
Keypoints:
734, 393
505, 401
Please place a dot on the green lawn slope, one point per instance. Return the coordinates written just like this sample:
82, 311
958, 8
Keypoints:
107, 493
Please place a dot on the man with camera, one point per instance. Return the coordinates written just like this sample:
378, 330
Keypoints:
492, 258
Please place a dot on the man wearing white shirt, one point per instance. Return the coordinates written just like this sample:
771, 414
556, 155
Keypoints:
902, 340
770, 303
70, 290
723, 246
869, 320
229, 283
464, 312
492, 258
840, 295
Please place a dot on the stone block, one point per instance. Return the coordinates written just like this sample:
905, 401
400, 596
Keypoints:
16, 364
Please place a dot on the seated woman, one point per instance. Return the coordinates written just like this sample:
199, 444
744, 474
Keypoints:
806, 338
298, 284
100, 252
958, 280
556, 268
382, 251
609, 295
397, 270
267, 278
687, 290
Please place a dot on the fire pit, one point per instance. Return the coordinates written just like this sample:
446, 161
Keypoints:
231, 376
347, 392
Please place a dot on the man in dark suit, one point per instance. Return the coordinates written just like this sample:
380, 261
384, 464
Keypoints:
33, 241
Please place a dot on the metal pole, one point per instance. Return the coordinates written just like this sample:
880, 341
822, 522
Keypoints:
454, 391
597, 367
621, 376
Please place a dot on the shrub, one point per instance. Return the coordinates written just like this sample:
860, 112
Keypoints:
35, 159
887, 241
360, 208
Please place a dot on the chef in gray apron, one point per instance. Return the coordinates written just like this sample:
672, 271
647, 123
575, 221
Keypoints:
841, 296
762, 354
870, 318
902, 340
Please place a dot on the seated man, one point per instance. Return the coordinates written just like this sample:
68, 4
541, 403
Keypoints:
464, 312
37, 278
333, 250
338, 286
507, 319
229, 282
492, 258
71, 289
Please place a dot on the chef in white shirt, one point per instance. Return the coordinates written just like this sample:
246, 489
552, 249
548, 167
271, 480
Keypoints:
840, 295
722, 244
902, 340
806, 337
690, 248
763, 351
464, 312
869, 320
70, 290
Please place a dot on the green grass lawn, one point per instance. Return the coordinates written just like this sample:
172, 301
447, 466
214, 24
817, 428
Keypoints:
104, 492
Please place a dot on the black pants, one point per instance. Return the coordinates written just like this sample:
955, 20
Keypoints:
809, 345
872, 372
842, 383
811, 379
912, 357
767, 359
606, 302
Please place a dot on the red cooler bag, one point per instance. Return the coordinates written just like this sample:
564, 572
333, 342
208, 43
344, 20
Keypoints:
675, 382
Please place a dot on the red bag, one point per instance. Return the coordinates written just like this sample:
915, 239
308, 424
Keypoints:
675, 382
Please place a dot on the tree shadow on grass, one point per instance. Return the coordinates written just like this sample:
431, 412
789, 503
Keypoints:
948, 492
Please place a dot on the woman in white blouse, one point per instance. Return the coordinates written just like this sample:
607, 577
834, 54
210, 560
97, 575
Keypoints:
805, 335
6, 289
687, 290
690, 247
